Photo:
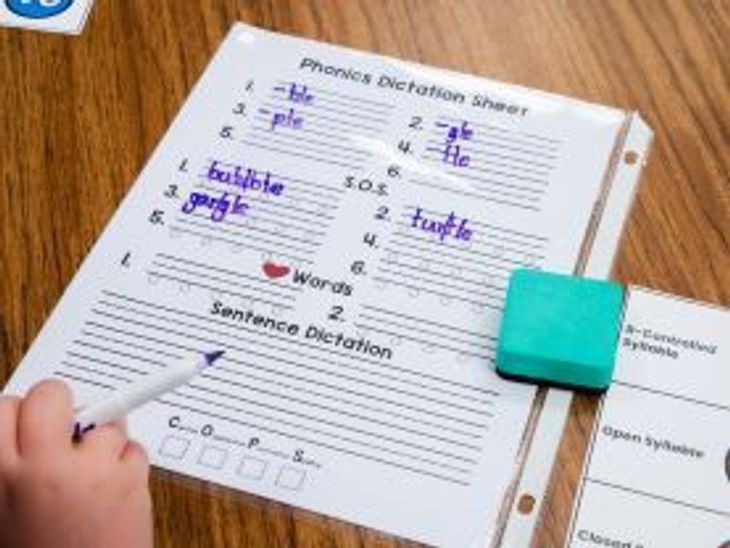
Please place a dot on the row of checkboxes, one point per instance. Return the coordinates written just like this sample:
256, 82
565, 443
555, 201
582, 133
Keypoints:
250, 467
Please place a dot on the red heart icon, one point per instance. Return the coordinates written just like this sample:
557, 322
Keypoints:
273, 270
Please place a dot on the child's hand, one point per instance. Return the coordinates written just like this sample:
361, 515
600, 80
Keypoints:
57, 494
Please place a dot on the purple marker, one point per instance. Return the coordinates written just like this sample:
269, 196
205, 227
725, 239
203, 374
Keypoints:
121, 402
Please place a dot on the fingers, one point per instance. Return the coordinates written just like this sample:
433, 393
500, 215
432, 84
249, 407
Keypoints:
136, 465
107, 441
135, 456
45, 419
9, 409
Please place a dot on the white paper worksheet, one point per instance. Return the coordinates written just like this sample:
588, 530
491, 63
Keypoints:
343, 225
658, 468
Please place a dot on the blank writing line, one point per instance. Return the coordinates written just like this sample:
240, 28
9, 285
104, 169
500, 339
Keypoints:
300, 155
316, 419
433, 292
454, 272
235, 274
317, 443
439, 283
658, 497
671, 395
427, 343
289, 376
105, 374
129, 344
407, 230
396, 258
337, 411
250, 351
485, 197
419, 329
183, 271
309, 144
338, 134
124, 355
419, 320
286, 435
348, 403
244, 236
418, 374
299, 427
72, 377
244, 245
216, 289
433, 250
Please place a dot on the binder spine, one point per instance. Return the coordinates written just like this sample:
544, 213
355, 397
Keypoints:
515, 528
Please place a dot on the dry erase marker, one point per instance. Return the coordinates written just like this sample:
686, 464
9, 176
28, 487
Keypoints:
121, 402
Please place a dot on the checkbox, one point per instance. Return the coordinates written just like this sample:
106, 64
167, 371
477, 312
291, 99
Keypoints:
213, 457
290, 478
252, 467
174, 447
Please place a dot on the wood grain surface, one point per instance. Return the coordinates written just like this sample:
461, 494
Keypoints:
79, 116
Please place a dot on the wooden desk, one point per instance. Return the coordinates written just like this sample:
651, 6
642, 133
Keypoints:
80, 116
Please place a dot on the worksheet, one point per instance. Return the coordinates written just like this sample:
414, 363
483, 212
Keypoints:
658, 468
343, 225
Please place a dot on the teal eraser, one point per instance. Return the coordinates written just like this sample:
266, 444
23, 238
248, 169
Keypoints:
560, 329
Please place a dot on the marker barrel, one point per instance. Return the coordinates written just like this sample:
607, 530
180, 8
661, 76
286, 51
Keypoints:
120, 403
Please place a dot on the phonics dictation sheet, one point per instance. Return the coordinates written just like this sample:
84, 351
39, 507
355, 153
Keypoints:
343, 225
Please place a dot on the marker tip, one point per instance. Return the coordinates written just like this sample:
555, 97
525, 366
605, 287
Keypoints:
211, 357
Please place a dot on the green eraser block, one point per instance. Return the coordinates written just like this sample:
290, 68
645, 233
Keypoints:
560, 329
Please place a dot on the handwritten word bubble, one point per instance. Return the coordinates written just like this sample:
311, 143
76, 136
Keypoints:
246, 179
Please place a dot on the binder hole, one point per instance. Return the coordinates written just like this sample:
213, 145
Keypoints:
631, 157
526, 504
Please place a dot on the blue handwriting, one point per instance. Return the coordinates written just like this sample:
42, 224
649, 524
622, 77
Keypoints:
219, 207
247, 179
452, 152
452, 226
297, 94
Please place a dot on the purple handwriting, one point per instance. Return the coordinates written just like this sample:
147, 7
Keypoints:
297, 94
286, 119
462, 132
247, 179
219, 207
452, 152
452, 226
453, 155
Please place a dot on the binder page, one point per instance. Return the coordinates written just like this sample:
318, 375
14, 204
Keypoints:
343, 225
658, 468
